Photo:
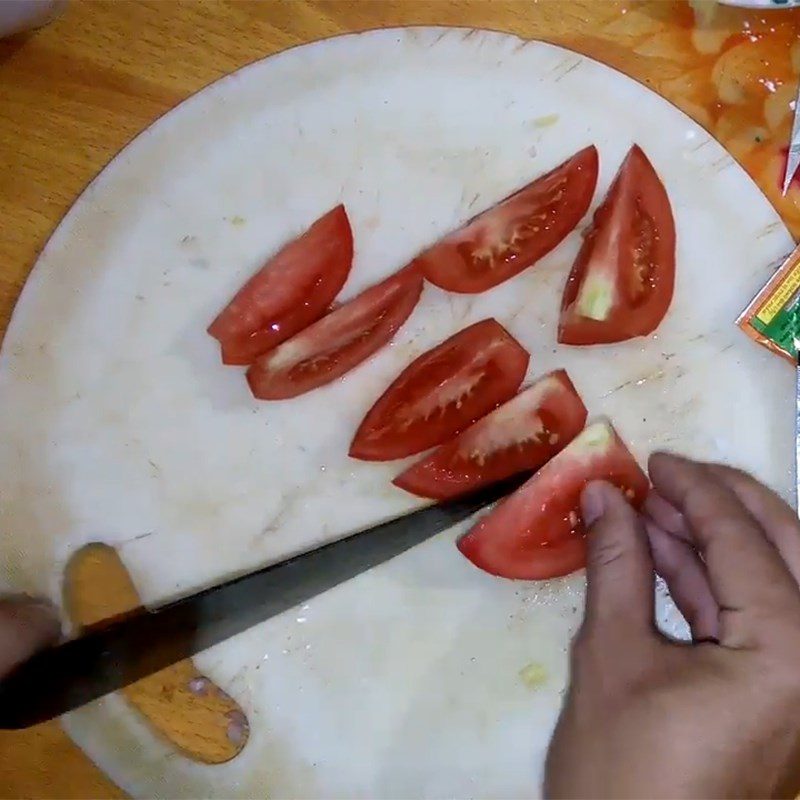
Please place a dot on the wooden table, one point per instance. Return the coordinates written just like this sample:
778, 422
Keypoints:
74, 93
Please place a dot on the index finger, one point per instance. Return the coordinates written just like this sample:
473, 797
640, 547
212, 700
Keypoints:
747, 576
777, 519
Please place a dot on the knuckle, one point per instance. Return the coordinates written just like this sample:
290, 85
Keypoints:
733, 474
704, 500
614, 669
727, 527
606, 549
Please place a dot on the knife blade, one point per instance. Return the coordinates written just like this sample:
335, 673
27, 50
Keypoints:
793, 156
79, 671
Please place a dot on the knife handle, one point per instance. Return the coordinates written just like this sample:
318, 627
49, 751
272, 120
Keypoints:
180, 704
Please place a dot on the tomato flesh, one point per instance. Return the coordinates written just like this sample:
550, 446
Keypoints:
537, 532
507, 238
442, 392
292, 290
518, 436
622, 282
339, 341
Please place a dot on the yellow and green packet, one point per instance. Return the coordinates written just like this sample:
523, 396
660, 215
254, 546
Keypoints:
773, 316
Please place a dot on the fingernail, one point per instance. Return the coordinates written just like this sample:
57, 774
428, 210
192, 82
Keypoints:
593, 503
706, 640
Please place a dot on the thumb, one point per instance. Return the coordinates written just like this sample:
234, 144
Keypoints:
26, 625
619, 569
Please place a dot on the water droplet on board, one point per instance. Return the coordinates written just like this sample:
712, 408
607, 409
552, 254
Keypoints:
238, 727
199, 686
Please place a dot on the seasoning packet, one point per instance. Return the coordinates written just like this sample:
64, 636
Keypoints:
773, 316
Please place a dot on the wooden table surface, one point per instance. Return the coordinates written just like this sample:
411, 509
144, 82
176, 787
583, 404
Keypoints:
74, 93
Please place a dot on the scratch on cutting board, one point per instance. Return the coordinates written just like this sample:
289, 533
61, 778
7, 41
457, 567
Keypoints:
238, 676
571, 68
514, 316
621, 386
136, 538
721, 164
702, 144
286, 505
768, 229
679, 372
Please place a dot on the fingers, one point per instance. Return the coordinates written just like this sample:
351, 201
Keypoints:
779, 522
745, 572
666, 517
619, 569
685, 574
26, 625
678, 563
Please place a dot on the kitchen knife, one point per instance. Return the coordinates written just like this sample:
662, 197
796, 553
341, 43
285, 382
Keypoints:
69, 675
793, 154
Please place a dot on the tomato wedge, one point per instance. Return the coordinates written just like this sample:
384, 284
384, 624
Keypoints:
506, 239
520, 435
442, 392
537, 533
339, 341
292, 290
622, 281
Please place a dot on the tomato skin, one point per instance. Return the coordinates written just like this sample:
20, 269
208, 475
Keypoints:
527, 432
339, 341
630, 246
500, 242
292, 290
442, 392
537, 532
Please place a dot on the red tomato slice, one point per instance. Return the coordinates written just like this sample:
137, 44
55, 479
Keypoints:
442, 392
292, 290
622, 281
519, 436
537, 533
504, 240
339, 341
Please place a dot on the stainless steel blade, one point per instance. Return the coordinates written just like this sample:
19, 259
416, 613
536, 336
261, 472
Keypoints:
84, 669
793, 156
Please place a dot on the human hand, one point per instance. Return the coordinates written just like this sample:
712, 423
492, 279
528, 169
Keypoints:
18, 16
648, 717
26, 625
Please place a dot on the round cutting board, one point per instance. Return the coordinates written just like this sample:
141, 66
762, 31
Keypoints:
424, 677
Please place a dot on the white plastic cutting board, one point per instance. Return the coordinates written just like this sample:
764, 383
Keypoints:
120, 424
